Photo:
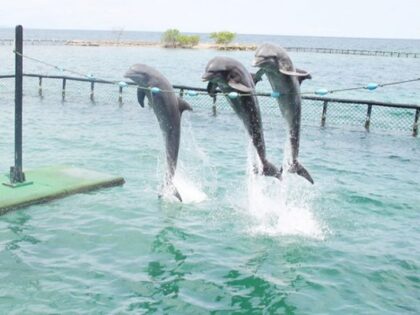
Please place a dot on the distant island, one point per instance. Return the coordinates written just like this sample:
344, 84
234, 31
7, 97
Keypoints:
173, 38
138, 43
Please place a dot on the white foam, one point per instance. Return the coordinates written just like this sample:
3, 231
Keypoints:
280, 207
190, 192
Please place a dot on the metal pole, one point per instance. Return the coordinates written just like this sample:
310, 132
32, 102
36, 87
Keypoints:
16, 173
120, 95
63, 93
416, 123
40, 87
214, 105
92, 90
324, 113
367, 122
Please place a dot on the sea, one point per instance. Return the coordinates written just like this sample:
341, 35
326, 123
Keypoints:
239, 243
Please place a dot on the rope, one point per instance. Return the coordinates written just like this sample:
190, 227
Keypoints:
232, 95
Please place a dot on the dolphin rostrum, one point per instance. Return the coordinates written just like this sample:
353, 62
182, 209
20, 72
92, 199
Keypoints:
231, 76
285, 79
167, 107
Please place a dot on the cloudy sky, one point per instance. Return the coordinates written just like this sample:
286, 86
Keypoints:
350, 18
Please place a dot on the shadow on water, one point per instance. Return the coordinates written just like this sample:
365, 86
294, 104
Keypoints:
17, 224
257, 296
165, 267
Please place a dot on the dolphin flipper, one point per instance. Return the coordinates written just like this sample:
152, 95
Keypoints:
183, 105
298, 168
141, 94
239, 86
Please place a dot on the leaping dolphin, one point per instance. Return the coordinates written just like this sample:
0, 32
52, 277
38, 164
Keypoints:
285, 79
231, 76
168, 109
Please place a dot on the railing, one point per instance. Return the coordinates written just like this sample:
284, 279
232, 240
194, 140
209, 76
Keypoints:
323, 111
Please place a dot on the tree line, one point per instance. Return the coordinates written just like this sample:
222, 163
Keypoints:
173, 38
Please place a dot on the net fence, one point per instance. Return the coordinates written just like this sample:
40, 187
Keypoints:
316, 111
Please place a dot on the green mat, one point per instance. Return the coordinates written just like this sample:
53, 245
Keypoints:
51, 183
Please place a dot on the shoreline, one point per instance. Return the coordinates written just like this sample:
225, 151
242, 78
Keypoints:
207, 45
136, 43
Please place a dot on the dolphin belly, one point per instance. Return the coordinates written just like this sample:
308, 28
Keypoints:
290, 107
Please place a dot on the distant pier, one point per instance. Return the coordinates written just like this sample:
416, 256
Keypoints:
229, 47
361, 52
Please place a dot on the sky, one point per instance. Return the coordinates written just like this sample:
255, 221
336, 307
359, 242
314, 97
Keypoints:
350, 18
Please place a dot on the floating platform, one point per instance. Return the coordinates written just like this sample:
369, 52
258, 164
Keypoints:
49, 183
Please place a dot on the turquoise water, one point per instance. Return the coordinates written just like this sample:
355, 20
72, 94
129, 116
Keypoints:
240, 244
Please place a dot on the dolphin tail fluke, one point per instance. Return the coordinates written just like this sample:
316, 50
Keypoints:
170, 189
173, 191
301, 171
270, 169
176, 194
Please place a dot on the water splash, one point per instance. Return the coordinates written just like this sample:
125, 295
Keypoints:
280, 208
190, 190
189, 179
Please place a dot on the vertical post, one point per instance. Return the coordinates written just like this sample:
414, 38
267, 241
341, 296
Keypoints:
120, 95
40, 87
181, 93
367, 122
416, 123
63, 93
214, 105
16, 173
324, 113
92, 90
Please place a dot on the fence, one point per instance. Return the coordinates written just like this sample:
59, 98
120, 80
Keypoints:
316, 111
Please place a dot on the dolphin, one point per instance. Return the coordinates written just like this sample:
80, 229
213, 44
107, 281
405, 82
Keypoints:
168, 108
285, 79
231, 76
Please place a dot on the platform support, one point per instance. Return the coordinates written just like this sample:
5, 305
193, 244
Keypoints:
16, 172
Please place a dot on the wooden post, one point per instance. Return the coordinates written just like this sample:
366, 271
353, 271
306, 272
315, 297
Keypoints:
92, 90
63, 92
367, 122
416, 123
181, 93
324, 113
40, 86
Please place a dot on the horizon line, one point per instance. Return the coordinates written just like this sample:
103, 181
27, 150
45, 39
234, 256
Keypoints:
255, 34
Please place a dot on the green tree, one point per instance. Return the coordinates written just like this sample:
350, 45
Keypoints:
223, 38
170, 38
188, 41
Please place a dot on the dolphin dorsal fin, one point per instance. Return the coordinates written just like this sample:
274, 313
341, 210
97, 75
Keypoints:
183, 105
